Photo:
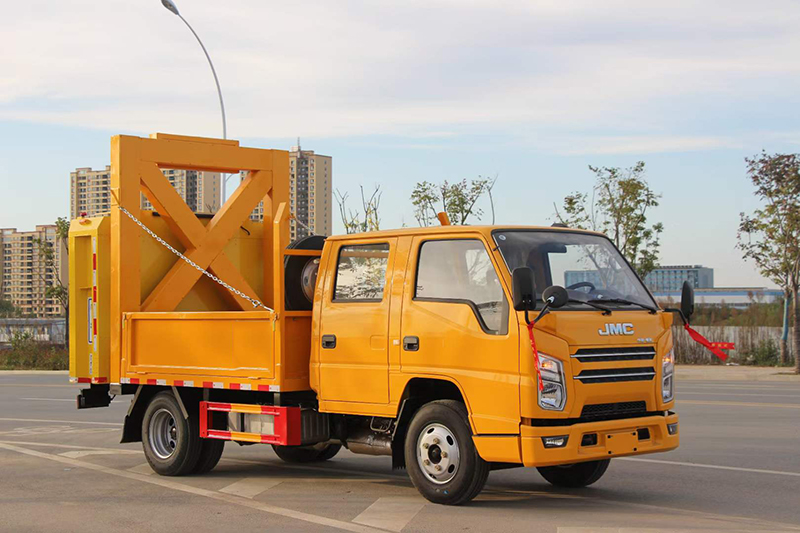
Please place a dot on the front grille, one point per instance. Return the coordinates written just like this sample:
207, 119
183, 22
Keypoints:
613, 375
630, 353
613, 410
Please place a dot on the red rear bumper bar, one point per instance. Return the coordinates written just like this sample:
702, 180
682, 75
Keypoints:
286, 423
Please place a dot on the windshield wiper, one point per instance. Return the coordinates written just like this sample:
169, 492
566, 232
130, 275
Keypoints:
652, 310
591, 303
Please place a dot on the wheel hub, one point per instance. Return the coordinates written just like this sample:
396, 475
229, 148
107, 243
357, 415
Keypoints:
163, 434
438, 453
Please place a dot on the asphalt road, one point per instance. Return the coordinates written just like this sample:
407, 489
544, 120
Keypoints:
738, 469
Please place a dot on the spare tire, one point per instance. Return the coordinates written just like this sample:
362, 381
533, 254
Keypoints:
301, 274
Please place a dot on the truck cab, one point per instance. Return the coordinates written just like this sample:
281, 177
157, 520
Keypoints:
399, 315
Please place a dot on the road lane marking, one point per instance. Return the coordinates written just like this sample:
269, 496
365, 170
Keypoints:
77, 454
715, 467
392, 513
740, 404
214, 495
68, 446
647, 530
250, 487
144, 469
70, 400
60, 421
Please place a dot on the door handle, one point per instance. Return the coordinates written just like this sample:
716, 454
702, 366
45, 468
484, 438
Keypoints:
329, 341
411, 344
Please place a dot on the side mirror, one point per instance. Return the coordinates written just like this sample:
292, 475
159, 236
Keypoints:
687, 300
556, 296
523, 288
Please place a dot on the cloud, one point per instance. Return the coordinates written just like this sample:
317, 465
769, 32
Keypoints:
633, 75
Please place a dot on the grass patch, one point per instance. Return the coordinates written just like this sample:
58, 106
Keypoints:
27, 354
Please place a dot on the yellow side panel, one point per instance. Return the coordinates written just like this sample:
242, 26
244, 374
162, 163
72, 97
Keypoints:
212, 344
89, 300
498, 448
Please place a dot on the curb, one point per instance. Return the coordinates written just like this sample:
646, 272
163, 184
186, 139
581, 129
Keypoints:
735, 373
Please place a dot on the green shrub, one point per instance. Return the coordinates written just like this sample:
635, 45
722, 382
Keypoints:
26, 353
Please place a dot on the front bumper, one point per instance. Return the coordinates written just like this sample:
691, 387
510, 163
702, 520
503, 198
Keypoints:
615, 438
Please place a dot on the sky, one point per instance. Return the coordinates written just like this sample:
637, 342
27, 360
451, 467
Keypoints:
401, 92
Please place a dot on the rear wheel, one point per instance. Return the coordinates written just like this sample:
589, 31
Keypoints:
575, 475
210, 454
441, 458
171, 442
306, 454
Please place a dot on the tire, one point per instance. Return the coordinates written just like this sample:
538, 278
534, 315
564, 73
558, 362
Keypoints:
210, 454
575, 475
297, 276
306, 454
171, 443
329, 452
439, 433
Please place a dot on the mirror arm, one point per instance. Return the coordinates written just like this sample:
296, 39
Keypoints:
679, 311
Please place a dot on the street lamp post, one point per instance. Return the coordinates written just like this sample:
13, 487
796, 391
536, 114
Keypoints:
170, 5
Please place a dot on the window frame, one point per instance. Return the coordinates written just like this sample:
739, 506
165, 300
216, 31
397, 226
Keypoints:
336, 274
475, 311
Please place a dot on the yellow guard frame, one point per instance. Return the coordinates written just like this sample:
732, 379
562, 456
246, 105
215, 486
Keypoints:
136, 169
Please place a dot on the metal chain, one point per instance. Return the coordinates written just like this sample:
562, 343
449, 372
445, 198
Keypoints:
297, 220
237, 292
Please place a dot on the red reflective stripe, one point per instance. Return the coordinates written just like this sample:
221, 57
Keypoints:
712, 346
151, 382
178, 383
94, 261
94, 326
263, 388
94, 294
99, 380
535, 357
235, 386
84, 380
134, 381
218, 434
208, 384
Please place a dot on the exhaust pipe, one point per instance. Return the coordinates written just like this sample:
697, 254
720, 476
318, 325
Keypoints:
365, 441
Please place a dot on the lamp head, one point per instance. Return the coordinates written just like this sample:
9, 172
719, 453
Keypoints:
169, 4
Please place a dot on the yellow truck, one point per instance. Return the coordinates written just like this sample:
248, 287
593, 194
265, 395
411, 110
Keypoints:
410, 343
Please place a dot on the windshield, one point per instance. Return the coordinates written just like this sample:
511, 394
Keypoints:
588, 266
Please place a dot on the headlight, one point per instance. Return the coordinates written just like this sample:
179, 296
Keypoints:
554, 395
668, 376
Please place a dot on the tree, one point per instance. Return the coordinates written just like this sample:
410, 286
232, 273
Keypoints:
7, 309
368, 218
459, 200
50, 276
618, 206
771, 235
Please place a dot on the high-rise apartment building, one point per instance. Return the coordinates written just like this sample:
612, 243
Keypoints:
26, 276
90, 190
310, 193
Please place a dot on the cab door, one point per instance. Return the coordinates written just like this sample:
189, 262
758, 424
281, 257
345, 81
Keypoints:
353, 354
456, 326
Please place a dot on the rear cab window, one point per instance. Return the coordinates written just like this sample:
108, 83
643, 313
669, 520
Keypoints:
361, 273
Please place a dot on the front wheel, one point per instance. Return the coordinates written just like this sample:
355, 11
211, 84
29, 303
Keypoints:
441, 458
575, 475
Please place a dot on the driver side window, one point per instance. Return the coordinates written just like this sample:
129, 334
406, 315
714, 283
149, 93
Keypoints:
461, 271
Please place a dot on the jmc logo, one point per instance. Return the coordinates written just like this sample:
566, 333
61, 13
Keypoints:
617, 329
